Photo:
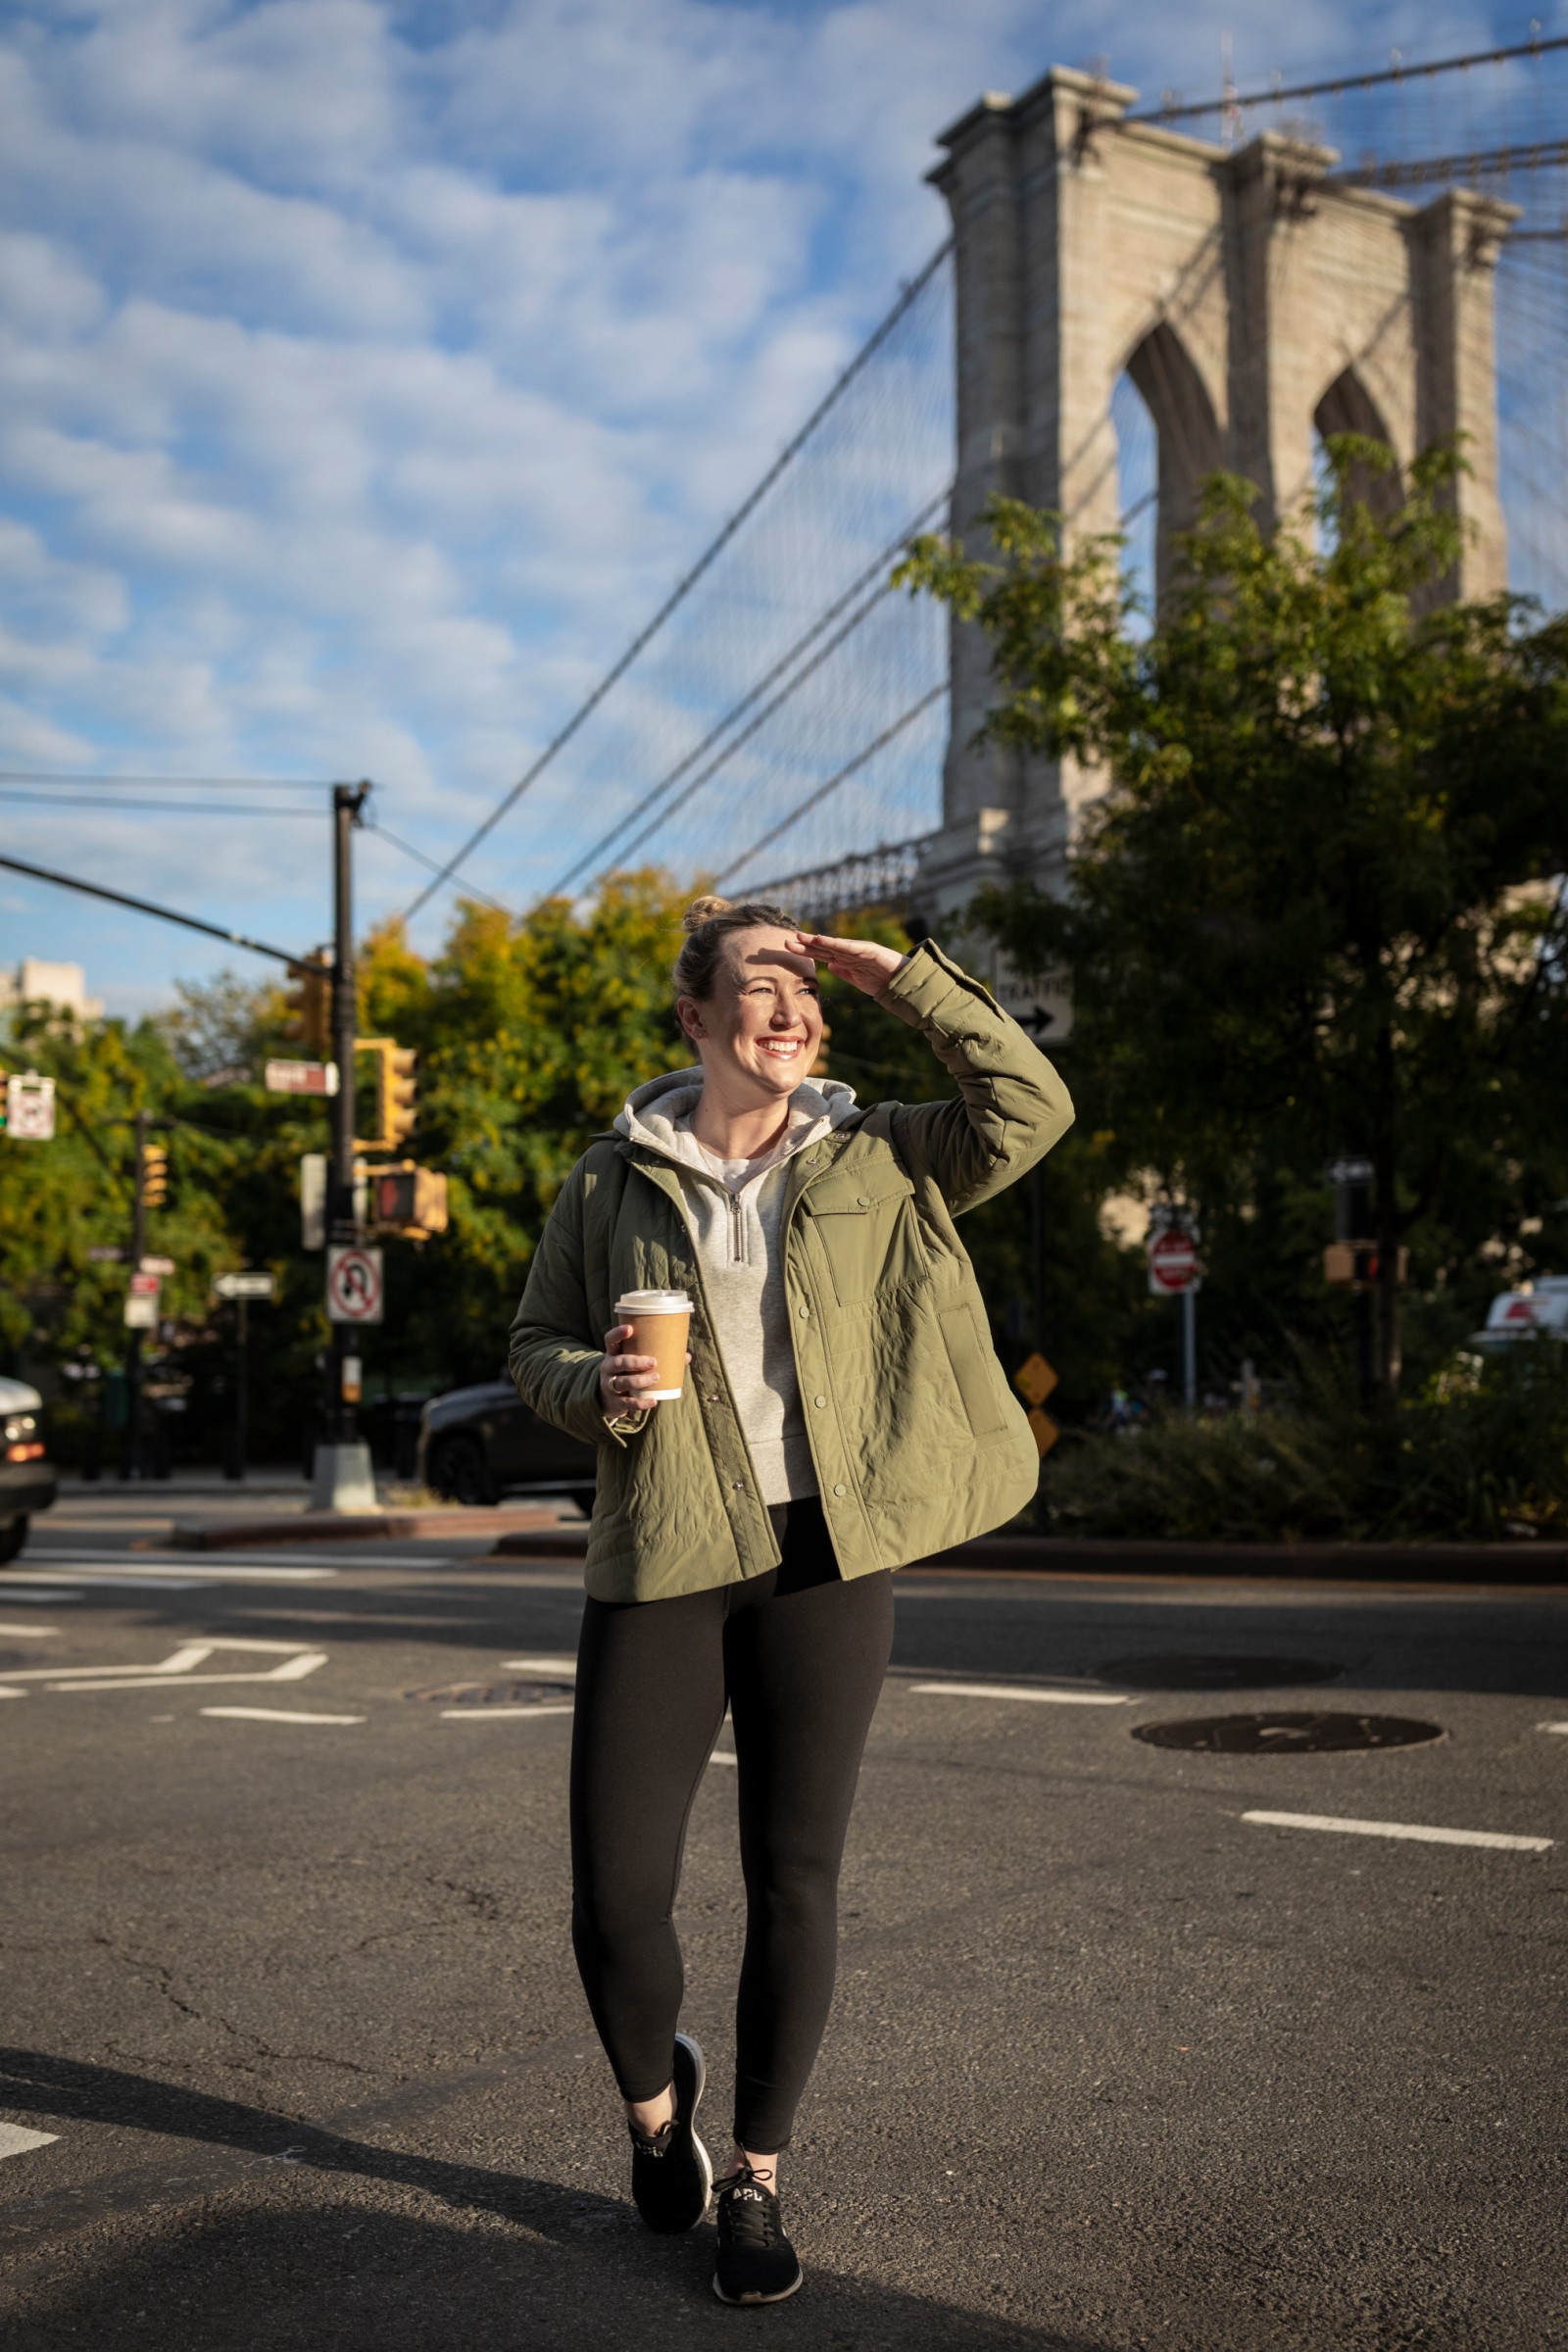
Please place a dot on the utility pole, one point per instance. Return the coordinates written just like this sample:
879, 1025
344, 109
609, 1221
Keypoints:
342, 1479
131, 1458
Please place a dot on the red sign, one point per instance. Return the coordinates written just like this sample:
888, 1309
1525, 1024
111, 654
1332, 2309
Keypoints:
302, 1077
353, 1284
1172, 1263
144, 1285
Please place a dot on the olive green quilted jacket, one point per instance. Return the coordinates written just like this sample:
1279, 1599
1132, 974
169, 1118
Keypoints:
918, 1439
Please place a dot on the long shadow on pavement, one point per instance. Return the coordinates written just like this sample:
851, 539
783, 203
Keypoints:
241, 2259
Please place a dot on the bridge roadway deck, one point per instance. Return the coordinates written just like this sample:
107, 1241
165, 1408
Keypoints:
1111, 2066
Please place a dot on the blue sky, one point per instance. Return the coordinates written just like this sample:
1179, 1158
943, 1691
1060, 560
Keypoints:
367, 374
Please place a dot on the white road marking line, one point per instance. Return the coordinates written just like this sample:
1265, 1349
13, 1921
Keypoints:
497, 1714
119, 1570
1402, 1829
1541, 1727
110, 1584
1053, 1698
724, 1755
558, 1666
277, 1715
43, 1597
27, 1633
16, 2142
293, 1671
7, 1693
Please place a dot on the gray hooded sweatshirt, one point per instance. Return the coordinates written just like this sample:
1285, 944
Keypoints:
734, 1208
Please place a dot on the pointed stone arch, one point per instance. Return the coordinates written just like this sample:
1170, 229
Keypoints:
1348, 406
1191, 444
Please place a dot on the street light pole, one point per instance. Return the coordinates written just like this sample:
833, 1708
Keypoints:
342, 1477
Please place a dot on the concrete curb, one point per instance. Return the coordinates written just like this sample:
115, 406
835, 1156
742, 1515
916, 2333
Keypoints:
1516, 1563
345, 1526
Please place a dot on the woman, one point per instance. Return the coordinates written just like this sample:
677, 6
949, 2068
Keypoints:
843, 1413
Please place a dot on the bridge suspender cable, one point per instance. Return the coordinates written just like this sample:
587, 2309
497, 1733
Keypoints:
738, 711
850, 769
685, 585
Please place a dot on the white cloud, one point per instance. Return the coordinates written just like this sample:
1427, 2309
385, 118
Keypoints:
367, 374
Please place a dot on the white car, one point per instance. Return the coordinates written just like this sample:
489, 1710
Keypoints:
1535, 1306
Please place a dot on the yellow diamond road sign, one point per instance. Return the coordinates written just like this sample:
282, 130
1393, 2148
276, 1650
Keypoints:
1046, 1431
1034, 1379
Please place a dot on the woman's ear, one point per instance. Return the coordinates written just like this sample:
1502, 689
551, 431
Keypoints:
689, 1014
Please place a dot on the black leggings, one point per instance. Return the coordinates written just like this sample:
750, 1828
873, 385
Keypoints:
800, 1656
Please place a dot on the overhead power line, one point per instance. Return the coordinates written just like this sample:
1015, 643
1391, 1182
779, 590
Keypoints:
56, 776
164, 914
53, 799
684, 586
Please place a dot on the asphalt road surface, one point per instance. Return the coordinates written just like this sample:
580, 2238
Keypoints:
288, 1985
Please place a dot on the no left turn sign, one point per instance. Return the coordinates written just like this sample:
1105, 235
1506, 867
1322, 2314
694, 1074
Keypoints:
354, 1291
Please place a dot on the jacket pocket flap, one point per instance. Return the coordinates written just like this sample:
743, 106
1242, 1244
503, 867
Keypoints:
847, 1194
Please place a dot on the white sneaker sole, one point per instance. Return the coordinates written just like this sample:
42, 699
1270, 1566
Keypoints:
694, 2049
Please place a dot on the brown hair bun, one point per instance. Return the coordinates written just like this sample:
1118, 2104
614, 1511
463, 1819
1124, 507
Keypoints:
703, 910
707, 924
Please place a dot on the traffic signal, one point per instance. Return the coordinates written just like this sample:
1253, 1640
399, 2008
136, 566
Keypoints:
396, 1095
154, 1176
1354, 1265
310, 1002
406, 1200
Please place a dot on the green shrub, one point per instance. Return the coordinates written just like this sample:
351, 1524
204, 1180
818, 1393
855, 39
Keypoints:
1481, 1453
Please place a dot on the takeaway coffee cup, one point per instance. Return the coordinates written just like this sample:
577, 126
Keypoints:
659, 1321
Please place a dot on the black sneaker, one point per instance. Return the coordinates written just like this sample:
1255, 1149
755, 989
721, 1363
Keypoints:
755, 2261
672, 2178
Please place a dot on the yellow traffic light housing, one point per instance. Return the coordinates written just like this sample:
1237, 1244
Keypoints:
310, 1005
154, 1176
406, 1200
397, 1093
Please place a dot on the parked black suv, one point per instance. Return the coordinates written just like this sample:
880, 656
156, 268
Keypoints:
476, 1445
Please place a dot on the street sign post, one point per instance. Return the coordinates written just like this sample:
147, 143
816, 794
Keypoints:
30, 1107
1173, 1273
354, 1292
1034, 1379
141, 1302
302, 1078
243, 1286
1173, 1263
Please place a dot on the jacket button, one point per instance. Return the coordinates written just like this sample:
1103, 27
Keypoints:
819, 1401
740, 1486
841, 1489
863, 1200
802, 1312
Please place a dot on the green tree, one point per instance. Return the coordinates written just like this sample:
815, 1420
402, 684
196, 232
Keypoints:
1318, 907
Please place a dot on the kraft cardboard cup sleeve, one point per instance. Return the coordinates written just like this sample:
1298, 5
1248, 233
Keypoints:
659, 1323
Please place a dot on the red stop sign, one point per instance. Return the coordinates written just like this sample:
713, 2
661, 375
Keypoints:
1172, 1263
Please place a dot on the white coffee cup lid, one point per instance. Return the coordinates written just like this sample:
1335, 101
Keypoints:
653, 1302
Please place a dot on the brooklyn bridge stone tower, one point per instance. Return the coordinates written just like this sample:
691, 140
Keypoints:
1253, 296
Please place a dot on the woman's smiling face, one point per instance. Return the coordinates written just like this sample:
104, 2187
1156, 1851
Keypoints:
758, 1033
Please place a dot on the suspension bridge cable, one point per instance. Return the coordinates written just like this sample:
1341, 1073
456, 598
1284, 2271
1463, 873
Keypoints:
706, 775
1342, 82
851, 767
683, 587
738, 711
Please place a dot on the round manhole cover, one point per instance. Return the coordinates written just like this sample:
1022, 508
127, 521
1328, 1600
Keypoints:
1287, 1734
1215, 1673
495, 1695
